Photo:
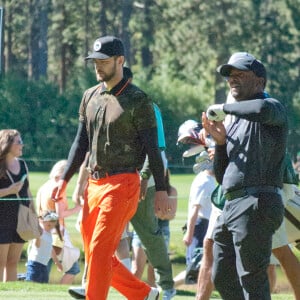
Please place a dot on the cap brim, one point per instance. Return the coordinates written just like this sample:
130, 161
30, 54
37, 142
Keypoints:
195, 149
225, 70
182, 138
97, 55
188, 139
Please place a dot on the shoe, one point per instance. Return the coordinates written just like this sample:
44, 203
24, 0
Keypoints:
153, 294
21, 276
168, 294
77, 292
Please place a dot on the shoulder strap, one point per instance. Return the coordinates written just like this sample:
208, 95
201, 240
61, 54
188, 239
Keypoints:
12, 181
23, 166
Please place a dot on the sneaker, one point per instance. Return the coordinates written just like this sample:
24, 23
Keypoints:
21, 276
77, 292
153, 294
168, 294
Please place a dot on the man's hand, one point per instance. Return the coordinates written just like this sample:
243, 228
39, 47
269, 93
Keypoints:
187, 239
216, 113
58, 191
215, 129
163, 206
78, 194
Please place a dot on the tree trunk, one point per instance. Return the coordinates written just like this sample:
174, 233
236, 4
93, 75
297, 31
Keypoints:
9, 57
43, 45
125, 35
147, 33
63, 71
103, 19
34, 37
86, 29
1, 39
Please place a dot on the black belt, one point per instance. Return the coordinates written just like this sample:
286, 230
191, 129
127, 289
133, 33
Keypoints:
250, 191
98, 174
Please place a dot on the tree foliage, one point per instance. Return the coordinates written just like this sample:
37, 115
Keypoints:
173, 48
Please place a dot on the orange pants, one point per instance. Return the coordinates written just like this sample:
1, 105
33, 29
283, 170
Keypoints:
109, 205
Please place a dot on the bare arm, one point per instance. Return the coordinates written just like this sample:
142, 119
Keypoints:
191, 223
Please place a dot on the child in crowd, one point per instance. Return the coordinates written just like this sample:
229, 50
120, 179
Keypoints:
40, 249
70, 266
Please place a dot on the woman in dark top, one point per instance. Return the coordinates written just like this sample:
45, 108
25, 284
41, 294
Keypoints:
13, 185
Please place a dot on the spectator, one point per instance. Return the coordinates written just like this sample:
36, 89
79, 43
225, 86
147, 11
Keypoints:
146, 225
12, 170
139, 257
44, 202
198, 215
40, 249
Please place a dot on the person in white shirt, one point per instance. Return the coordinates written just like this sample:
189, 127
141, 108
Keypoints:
40, 250
198, 212
199, 204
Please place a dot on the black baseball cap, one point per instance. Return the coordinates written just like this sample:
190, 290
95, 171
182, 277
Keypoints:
106, 47
243, 61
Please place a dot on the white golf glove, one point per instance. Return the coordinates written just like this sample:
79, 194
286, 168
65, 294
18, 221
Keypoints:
216, 113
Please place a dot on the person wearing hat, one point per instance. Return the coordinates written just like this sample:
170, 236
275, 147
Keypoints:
199, 204
44, 202
40, 249
249, 156
153, 238
199, 209
117, 126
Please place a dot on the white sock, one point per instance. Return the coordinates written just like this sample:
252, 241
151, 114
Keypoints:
127, 263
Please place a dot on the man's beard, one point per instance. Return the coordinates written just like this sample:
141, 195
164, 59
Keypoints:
108, 76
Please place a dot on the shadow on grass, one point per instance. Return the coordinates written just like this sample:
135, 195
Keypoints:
178, 259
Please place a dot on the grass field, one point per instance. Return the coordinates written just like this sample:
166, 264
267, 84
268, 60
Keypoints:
53, 291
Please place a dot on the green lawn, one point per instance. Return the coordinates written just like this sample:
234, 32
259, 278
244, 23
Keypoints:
24, 290
34, 291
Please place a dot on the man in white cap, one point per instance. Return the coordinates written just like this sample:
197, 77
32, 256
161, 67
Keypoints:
248, 163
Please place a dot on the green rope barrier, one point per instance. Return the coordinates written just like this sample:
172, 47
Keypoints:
15, 199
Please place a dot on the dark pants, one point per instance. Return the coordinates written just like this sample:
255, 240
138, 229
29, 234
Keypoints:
242, 246
200, 231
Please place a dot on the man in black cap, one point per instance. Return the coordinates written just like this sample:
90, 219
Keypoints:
152, 238
248, 162
117, 127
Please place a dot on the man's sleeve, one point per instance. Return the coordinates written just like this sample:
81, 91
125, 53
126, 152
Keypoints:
77, 152
160, 128
145, 122
149, 139
267, 111
220, 162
